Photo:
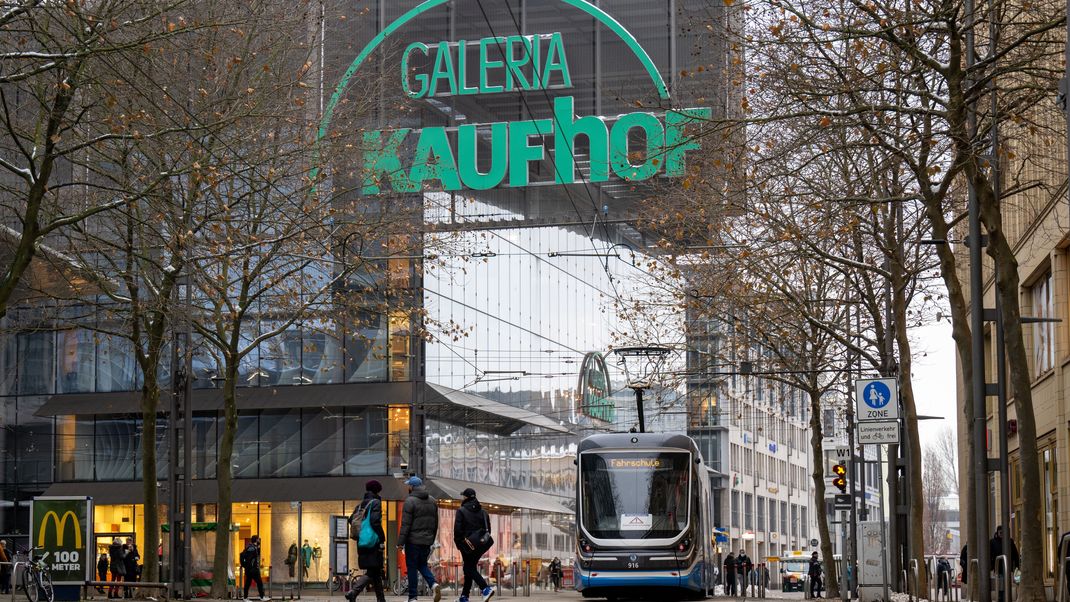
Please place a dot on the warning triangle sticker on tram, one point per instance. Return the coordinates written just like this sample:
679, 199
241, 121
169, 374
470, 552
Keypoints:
636, 521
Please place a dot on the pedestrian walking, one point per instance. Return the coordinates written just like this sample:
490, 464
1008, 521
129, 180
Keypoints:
419, 528
5, 568
743, 569
471, 533
366, 526
249, 560
555, 573
943, 577
102, 571
131, 561
817, 582
964, 560
730, 575
995, 548
117, 558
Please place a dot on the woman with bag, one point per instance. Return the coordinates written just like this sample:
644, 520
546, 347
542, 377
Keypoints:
370, 539
471, 533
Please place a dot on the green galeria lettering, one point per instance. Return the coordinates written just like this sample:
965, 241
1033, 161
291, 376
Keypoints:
594, 128
443, 70
486, 64
420, 78
556, 61
676, 143
462, 71
381, 162
520, 150
514, 64
618, 141
467, 149
434, 160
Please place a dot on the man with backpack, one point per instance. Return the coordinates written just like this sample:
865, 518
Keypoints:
366, 527
249, 560
471, 533
419, 527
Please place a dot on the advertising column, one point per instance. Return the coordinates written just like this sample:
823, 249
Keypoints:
60, 535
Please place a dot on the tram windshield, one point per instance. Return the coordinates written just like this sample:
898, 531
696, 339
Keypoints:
634, 495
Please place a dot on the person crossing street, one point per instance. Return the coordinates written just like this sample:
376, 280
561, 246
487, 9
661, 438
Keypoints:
419, 527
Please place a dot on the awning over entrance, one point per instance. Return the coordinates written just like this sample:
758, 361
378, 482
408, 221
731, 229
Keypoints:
441, 403
308, 489
480, 413
450, 489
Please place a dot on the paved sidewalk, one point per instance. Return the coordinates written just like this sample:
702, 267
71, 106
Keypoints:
448, 595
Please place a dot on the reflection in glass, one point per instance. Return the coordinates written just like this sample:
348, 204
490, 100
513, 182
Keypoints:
634, 495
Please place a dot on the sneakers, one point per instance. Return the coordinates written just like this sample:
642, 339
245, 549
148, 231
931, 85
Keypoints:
413, 599
351, 595
462, 599
488, 593
436, 591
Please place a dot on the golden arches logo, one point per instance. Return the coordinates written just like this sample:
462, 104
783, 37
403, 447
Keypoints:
60, 524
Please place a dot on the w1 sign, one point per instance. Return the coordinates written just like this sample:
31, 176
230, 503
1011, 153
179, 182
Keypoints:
876, 399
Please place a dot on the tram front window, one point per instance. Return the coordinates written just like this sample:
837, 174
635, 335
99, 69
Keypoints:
640, 495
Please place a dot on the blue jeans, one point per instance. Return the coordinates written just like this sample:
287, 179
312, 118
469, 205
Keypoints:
416, 563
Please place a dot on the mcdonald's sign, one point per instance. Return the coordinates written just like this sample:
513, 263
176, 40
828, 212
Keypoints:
61, 529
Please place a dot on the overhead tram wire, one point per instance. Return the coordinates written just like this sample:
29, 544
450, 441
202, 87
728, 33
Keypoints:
583, 178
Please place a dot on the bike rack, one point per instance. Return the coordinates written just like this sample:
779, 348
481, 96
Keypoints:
975, 568
14, 575
1061, 568
914, 573
906, 584
1005, 582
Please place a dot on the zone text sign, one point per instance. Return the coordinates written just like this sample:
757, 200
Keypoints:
60, 528
876, 399
878, 433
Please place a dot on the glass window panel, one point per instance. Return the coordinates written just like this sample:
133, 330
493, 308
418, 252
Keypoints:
74, 361
163, 448
116, 448
365, 441
246, 452
116, 366
35, 442
205, 440
280, 443
35, 362
366, 349
74, 449
322, 442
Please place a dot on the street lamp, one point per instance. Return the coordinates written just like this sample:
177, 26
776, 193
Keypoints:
640, 364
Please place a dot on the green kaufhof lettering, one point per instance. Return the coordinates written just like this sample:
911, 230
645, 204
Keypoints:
513, 146
531, 62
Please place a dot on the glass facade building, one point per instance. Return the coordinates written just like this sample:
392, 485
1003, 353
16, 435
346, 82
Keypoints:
513, 287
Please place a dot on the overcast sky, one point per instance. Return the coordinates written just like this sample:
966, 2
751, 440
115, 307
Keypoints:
934, 378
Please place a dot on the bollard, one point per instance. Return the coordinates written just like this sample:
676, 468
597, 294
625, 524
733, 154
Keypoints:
512, 573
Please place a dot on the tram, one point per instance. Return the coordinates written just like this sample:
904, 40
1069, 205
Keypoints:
644, 518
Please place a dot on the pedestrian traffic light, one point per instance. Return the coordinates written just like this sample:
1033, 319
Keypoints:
840, 478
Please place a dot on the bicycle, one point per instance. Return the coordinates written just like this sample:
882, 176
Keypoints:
37, 580
342, 583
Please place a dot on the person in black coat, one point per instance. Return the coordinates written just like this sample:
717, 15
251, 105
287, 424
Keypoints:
730, 575
995, 548
371, 558
131, 561
117, 555
817, 581
743, 569
102, 571
469, 527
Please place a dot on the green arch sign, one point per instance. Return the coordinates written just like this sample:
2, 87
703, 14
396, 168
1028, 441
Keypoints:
435, 160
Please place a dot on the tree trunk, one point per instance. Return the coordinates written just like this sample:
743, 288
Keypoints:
816, 436
1007, 287
960, 332
222, 561
150, 400
906, 390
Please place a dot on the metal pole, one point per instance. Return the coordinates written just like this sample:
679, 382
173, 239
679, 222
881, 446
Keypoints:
884, 529
639, 409
172, 461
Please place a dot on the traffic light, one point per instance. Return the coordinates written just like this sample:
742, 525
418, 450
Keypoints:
840, 478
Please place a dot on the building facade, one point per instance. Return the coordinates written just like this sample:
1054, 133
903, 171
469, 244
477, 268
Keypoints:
469, 378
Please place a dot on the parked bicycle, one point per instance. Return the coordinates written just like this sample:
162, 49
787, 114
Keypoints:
342, 583
36, 580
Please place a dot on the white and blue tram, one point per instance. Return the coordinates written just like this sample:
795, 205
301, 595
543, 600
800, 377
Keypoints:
644, 518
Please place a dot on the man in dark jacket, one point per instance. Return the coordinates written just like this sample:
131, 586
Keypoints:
817, 582
730, 575
131, 560
370, 558
250, 564
471, 530
419, 528
995, 548
743, 569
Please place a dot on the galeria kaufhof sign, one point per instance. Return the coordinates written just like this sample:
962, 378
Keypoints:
445, 158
